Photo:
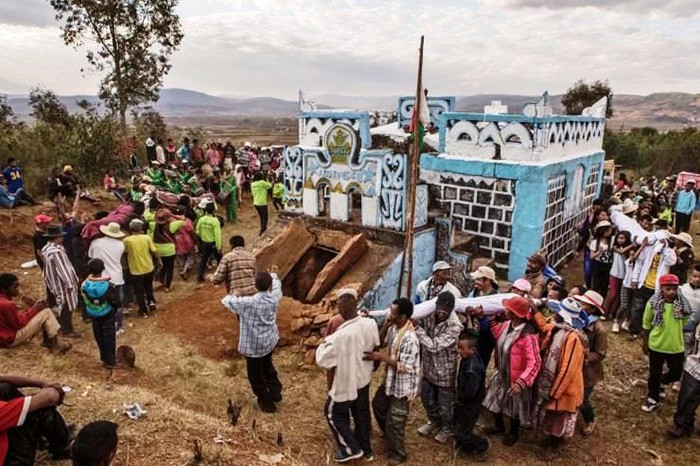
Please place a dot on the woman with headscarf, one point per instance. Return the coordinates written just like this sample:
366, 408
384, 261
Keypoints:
510, 391
563, 347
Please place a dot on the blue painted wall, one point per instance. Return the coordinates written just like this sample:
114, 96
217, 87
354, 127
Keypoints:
384, 291
530, 194
338, 116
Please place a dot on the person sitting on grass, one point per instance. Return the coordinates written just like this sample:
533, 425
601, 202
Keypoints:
470, 391
101, 303
259, 335
96, 444
18, 327
24, 420
9, 200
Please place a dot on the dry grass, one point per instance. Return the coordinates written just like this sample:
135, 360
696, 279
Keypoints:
185, 394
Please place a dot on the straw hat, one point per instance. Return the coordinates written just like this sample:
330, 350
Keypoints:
592, 298
628, 206
685, 238
484, 272
113, 230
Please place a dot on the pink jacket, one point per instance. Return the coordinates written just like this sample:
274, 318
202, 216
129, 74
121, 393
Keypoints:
184, 241
525, 359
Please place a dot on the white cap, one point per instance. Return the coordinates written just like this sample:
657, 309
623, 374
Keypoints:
441, 265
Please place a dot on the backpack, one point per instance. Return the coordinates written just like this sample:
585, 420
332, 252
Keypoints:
99, 298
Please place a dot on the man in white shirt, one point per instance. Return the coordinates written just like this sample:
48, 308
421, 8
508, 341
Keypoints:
110, 249
343, 352
437, 282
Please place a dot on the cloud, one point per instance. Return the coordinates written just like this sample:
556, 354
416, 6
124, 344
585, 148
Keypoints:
363, 47
674, 8
27, 12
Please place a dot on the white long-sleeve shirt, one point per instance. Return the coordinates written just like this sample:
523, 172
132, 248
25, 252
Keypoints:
344, 350
644, 261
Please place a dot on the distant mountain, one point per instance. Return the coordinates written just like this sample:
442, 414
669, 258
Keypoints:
662, 110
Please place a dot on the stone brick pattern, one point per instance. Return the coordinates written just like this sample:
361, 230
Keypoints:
482, 207
560, 235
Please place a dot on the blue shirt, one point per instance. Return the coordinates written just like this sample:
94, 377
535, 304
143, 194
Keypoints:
258, 334
13, 175
686, 202
6, 199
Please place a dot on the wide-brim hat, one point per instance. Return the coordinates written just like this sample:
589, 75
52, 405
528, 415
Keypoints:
628, 206
162, 216
685, 238
113, 230
54, 231
570, 311
518, 305
592, 298
603, 224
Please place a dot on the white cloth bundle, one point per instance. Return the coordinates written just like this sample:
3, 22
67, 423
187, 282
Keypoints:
492, 304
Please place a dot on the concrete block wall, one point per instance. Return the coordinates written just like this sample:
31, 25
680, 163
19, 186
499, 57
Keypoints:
560, 237
482, 207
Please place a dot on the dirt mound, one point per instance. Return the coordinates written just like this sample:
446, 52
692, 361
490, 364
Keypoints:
201, 320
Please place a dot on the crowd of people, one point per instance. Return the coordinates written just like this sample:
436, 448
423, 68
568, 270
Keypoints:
531, 354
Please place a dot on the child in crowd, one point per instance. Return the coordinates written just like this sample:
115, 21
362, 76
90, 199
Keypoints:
96, 444
601, 257
623, 245
278, 194
469, 394
101, 303
592, 304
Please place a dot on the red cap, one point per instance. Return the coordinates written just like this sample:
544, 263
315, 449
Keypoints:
518, 306
41, 218
668, 279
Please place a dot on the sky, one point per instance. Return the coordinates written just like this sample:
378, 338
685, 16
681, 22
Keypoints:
359, 47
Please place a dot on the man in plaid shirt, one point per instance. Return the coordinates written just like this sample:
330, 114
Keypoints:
258, 336
391, 401
438, 335
237, 269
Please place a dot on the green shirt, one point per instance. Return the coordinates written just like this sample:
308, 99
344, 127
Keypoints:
209, 230
278, 191
668, 337
260, 189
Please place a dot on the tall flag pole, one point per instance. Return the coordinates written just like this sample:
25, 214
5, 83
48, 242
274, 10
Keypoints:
420, 120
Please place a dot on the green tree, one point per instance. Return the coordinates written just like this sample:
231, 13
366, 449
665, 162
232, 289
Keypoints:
582, 95
48, 108
131, 40
148, 122
7, 114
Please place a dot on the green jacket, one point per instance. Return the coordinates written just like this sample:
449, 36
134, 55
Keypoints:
209, 230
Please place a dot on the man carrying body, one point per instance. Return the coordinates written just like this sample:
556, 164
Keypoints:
259, 335
392, 399
438, 334
439, 281
343, 352
533, 274
237, 269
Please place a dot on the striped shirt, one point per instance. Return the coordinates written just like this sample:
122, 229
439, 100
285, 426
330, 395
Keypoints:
60, 276
237, 269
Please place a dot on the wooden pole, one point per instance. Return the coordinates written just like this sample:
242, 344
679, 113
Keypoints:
413, 179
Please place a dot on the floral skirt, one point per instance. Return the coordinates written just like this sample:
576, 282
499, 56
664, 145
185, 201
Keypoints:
498, 401
559, 424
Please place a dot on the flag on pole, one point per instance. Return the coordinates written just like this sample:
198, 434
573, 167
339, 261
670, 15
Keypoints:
420, 120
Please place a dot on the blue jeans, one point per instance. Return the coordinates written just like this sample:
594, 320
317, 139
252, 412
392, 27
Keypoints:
438, 403
587, 408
